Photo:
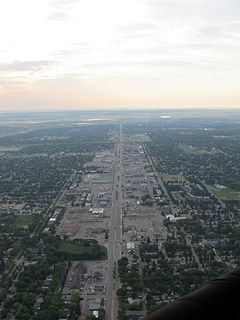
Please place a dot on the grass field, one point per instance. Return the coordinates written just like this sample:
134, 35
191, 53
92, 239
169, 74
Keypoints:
24, 156
5, 148
78, 248
22, 222
172, 177
69, 198
14, 222
226, 194
192, 150
71, 247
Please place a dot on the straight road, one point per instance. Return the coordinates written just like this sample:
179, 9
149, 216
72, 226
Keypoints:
213, 195
189, 243
115, 234
159, 180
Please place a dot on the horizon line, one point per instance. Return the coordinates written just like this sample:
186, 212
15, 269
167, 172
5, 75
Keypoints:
167, 109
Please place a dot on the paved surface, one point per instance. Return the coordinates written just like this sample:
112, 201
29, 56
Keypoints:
115, 234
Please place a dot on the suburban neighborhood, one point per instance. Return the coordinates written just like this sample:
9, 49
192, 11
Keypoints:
115, 224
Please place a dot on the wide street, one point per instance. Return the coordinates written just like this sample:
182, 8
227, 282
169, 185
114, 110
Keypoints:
115, 234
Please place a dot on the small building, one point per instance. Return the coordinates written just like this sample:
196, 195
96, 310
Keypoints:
94, 306
130, 246
38, 303
172, 218
97, 210
99, 288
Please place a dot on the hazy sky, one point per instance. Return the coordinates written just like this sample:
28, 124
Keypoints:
119, 53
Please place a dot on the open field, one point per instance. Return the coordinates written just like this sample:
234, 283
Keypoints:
226, 194
192, 150
24, 156
22, 222
5, 148
72, 248
171, 177
16, 222
68, 198
78, 248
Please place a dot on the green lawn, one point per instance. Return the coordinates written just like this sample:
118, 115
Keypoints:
24, 156
172, 177
192, 150
69, 198
14, 222
70, 247
226, 194
81, 248
6, 148
22, 222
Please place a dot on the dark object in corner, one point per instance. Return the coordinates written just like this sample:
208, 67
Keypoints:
219, 299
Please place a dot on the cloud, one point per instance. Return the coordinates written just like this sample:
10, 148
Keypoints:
26, 66
62, 3
12, 84
81, 43
136, 27
59, 16
135, 31
167, 62
230, 29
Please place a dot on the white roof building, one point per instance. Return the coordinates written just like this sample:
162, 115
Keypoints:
130, 246
172, 218
97, 210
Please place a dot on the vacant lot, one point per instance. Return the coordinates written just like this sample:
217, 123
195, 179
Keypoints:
82, 250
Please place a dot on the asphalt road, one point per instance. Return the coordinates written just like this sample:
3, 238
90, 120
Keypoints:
115, 235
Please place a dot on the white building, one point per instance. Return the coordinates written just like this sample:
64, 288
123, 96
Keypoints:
172, 218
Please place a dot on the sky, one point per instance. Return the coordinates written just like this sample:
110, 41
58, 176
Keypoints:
100, 54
